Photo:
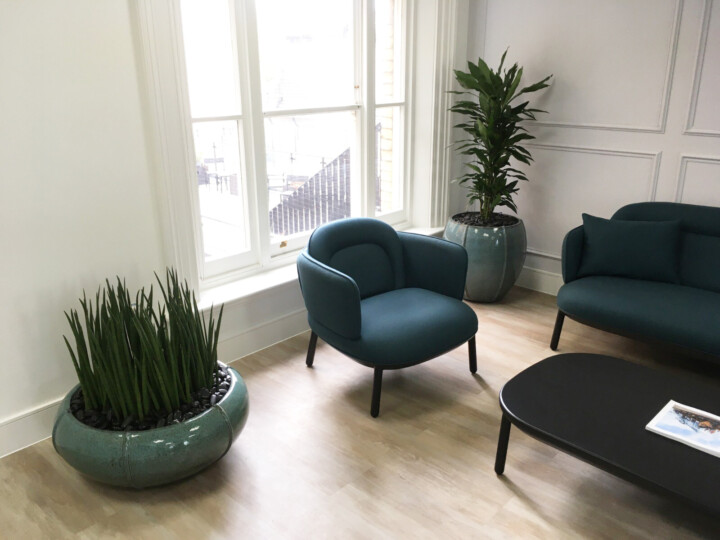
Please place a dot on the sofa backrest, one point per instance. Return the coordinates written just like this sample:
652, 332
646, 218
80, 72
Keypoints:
699, 256
367, 250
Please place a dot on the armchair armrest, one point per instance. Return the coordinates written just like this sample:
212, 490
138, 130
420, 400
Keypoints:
572, 250
331, 297
434, 264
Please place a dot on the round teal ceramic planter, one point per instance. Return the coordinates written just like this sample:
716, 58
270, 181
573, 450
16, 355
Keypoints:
154, 457
495, 257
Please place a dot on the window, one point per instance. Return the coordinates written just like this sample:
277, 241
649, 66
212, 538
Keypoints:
298, 119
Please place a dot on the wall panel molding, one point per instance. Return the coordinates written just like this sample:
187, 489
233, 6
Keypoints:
665, 102
697, 78
653, 157
682, 172
661, 142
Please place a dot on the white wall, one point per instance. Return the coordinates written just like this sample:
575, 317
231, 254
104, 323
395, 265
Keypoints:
76, 199
633, 109
634, 96
79, 181
81, 174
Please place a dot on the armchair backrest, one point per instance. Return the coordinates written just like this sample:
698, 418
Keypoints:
699, 239
367, 250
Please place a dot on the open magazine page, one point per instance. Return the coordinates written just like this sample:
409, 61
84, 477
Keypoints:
688, 425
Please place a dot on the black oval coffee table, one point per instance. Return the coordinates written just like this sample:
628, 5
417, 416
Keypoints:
596, 409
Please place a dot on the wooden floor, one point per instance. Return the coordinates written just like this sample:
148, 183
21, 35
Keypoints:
312, 462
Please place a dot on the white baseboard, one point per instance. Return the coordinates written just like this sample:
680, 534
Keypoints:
34, 425
28, 428
259, 337
540, 280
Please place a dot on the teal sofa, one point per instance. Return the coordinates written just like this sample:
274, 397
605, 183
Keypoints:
675, 301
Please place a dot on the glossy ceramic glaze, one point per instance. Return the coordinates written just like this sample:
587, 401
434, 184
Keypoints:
158, 456
495, 257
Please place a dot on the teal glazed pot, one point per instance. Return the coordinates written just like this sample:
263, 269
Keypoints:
495, 257
157, 456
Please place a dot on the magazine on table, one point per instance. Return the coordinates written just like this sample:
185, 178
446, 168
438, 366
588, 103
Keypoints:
688, 425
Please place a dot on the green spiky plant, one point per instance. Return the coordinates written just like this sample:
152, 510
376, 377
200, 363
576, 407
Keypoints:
134, 357
495, 134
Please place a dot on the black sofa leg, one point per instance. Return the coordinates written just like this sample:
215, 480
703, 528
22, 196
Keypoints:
311, 350
473, 355
556, 332
377, 386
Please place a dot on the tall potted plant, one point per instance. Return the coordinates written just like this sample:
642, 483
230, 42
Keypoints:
493, 118
153, 404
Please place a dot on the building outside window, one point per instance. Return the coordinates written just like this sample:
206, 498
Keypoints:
298, 116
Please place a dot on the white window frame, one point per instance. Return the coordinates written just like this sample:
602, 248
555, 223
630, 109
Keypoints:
426, 176
251, 123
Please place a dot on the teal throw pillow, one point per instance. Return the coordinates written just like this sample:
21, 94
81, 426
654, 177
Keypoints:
634, 249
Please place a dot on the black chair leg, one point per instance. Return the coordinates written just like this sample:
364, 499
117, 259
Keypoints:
556, 332
311, 350
377, 386
473, 355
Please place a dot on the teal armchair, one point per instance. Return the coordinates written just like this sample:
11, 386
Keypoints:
387, 300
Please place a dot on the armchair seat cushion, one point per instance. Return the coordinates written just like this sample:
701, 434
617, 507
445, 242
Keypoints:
405, 327
686, 316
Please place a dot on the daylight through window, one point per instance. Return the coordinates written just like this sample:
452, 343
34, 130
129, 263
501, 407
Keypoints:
279, 121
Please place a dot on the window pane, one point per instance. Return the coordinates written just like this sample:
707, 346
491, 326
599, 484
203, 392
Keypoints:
210, 58
306, 53
222, 208
388, 160
308, 165
388, 67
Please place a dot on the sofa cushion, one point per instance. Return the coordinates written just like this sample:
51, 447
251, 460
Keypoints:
633, 249
700, 261
405, 327
700, 238
682, 315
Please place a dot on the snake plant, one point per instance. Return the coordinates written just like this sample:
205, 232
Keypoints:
134, 356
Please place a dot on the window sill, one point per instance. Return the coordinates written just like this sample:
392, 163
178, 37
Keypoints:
263, 281
248, 286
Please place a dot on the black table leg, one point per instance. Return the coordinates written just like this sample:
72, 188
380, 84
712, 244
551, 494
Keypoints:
311, 350
502, 445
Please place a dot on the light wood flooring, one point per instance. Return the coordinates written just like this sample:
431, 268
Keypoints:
311, 461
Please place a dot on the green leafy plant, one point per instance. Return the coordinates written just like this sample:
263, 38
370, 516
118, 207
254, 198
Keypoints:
495, 134
134, 357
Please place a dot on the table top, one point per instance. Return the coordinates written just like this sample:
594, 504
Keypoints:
596, 408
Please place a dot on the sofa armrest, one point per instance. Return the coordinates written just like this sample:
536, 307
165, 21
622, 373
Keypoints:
434, 264
331, 297
572, 250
